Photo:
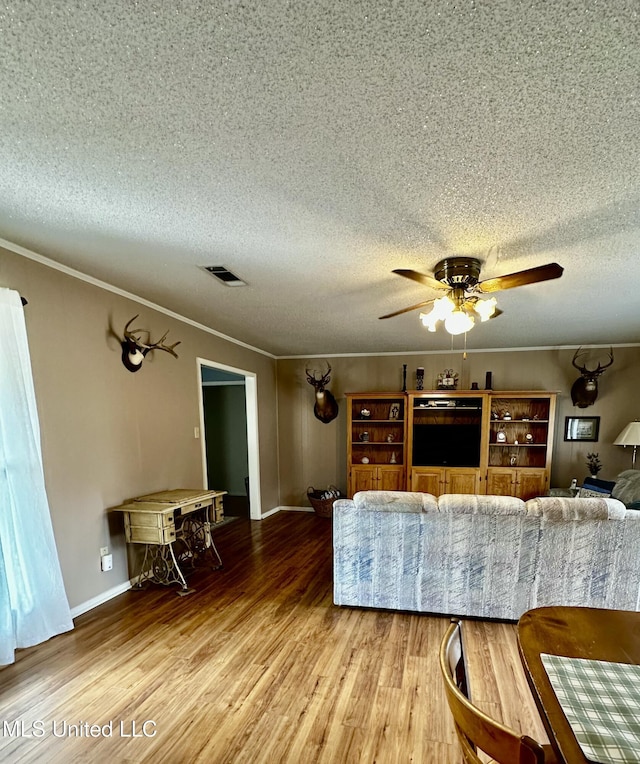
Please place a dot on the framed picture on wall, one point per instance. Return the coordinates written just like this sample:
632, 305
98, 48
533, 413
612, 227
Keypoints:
583, 428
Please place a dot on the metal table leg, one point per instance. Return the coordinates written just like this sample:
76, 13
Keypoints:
160, 566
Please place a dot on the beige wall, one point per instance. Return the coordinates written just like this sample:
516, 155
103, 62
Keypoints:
108, 434
312, 453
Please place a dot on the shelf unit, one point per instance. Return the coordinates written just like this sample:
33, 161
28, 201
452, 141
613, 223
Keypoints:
471, 459
379, 439
520, 465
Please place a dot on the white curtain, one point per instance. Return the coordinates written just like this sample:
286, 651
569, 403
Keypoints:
33, 602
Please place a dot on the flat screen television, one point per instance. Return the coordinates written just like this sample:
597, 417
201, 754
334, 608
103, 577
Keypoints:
446, 445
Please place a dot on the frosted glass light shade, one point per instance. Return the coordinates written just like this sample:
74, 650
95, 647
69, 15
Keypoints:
442, 307
458, 322
486, 308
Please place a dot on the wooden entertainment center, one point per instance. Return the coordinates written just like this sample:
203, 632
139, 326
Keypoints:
440, 441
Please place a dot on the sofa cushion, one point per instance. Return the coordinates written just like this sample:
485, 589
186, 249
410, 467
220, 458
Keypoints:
395, 501
557, 508
627, 487
477, 504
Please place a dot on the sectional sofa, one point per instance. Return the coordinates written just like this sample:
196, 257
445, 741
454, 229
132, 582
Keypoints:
484, 556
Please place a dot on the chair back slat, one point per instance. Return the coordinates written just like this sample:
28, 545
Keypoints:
474, 728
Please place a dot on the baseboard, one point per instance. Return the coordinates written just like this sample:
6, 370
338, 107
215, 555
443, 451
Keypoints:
100, 599
285, 509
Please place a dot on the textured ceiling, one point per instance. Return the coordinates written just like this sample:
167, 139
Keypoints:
313, 147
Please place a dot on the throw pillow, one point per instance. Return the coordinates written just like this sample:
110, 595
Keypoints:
592, 493
598, 485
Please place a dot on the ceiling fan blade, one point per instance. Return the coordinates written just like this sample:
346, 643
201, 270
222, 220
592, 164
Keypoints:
421, 278
530, 276
407, 310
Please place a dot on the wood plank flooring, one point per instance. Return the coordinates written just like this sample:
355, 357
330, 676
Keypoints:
256, 666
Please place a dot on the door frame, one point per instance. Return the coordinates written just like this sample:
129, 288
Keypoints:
253, 441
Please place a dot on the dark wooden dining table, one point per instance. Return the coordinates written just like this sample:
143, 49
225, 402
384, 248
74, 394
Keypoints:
576, 632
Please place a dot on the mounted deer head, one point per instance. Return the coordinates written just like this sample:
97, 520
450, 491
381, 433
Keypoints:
326, 406
134, 350
585, 389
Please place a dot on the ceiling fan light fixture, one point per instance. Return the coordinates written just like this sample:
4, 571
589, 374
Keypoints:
458, 312
459, 322
442, 308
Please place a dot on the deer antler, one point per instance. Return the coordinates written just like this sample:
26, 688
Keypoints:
606, 366
159, 345
584, 370
130, 334
319, 383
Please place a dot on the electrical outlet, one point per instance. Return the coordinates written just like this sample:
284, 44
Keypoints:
106, 562
196, 432
104, 550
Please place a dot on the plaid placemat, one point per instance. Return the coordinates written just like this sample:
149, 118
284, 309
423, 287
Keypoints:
601, 701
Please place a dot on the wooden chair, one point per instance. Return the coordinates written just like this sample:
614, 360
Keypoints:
474, 728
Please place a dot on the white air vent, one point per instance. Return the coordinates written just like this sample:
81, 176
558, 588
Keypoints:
224, 275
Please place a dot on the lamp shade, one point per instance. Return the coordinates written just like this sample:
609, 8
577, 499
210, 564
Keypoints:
630, 436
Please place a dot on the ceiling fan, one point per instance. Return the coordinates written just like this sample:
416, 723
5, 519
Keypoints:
462, 303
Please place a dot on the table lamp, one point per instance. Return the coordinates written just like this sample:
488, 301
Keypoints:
630, 436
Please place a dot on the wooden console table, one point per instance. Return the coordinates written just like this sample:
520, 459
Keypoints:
175, 527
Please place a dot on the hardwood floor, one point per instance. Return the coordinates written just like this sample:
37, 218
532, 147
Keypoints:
256, 666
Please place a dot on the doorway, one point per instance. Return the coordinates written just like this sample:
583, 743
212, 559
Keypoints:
229, 436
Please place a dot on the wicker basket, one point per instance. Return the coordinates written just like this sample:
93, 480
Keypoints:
321, 506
